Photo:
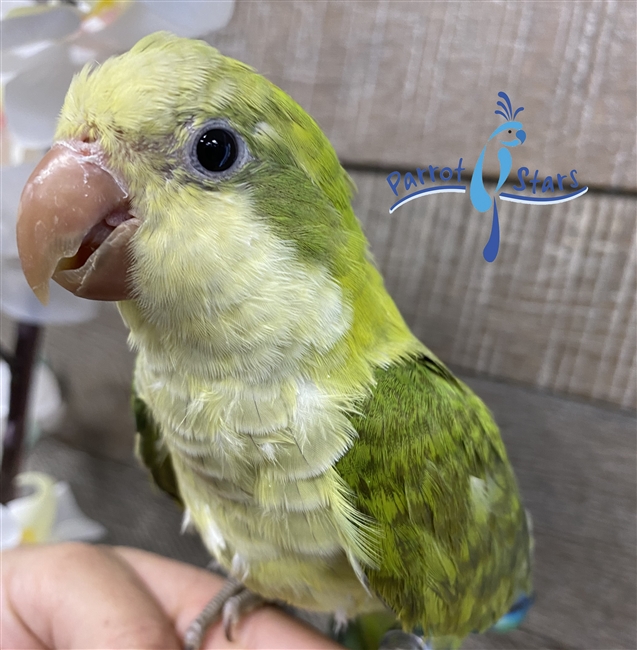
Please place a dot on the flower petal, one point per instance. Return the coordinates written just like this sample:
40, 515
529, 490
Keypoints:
120, 35
192, 18
12, 181
13, 61
43, 23
71, 524
10, 529
5, 398
181, 17
16, 298
36, 510
15, 6
33, 98
45, 402
19, 303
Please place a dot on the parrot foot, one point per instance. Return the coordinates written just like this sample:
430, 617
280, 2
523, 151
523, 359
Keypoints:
229, 604
236, 606
399, 640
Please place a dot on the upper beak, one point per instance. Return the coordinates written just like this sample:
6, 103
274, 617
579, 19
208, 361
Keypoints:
521, 136
74, 225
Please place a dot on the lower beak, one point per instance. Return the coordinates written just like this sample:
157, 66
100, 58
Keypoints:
74, 225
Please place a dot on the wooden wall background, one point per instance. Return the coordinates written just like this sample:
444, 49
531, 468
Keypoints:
397, 85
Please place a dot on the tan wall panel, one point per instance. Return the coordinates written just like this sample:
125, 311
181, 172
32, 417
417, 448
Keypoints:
555, 309
406, 83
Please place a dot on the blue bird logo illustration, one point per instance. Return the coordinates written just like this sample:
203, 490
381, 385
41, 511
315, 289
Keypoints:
508, 135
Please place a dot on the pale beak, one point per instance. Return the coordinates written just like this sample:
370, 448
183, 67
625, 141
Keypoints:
74, 225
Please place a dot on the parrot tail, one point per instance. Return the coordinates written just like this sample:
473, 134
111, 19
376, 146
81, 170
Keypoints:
367, 631
514, 617
490, 251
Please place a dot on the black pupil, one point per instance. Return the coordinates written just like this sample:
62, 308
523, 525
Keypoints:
216, 150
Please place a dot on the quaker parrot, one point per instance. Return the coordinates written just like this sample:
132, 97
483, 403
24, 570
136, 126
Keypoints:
327, 458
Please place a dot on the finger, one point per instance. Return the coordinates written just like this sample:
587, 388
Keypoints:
78, 596
183, 591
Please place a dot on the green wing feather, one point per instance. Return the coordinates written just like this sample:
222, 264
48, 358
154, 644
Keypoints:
151, 450
430, 467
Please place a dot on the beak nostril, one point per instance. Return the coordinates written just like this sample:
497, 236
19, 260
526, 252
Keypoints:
87, 138
85, 143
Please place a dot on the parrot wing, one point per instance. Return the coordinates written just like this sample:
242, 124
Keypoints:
430, 467
152, 451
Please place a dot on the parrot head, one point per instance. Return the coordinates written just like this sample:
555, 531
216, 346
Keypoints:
170, 163
509, 134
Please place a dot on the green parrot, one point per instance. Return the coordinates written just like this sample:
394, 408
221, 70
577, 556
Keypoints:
327, 458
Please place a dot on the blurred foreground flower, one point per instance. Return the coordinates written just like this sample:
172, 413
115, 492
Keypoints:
16, 298
45, 407
43, 45
46, 512
17, 301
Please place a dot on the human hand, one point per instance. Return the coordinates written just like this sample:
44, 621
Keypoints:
76, 596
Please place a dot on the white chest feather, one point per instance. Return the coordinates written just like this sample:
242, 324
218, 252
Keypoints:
253, 438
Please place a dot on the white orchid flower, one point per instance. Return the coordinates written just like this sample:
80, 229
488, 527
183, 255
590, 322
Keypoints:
16, 298
43, 46
45, 409
47, 512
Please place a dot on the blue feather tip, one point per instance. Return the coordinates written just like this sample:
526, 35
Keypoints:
514, 617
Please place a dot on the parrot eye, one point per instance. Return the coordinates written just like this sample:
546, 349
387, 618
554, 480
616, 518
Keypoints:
510, 131
218, 150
